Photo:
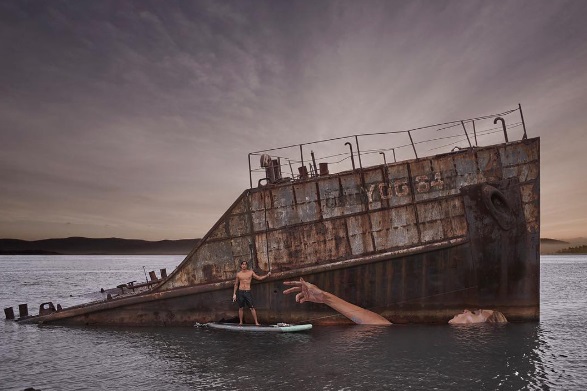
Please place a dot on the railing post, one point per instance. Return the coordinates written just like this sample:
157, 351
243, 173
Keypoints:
250, 173
314, 163
466, 134
358, 152
386, 178
523, 123
412, 141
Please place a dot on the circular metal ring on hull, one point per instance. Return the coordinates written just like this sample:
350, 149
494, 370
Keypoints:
498, 207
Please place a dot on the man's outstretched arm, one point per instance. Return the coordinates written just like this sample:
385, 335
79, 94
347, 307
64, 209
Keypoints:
257, 277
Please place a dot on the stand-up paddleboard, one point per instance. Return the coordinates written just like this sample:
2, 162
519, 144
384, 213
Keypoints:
272, 328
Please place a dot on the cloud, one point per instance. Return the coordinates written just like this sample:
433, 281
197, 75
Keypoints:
138, 116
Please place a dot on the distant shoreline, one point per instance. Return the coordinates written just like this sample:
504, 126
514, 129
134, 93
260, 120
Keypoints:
96, 246
29, 252
117, 246
559, 247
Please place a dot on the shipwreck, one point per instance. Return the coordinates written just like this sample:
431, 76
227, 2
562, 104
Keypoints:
416, 239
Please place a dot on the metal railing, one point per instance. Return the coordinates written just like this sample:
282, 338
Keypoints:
479, 127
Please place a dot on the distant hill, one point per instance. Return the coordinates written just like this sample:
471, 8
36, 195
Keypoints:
28, 252
555, 246
552, 241
117, 246
89, 246
574, 250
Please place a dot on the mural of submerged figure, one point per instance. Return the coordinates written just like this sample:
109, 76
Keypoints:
306, 291
310, 292
478, 316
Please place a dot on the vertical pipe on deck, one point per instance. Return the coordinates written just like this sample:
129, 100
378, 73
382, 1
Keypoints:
505, 132
302, 154
352, 156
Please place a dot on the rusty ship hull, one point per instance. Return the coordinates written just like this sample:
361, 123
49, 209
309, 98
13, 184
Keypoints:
415, 241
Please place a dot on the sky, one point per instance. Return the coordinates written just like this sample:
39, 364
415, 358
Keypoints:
134, 119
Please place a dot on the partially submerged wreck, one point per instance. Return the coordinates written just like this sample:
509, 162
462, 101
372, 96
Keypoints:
416, 240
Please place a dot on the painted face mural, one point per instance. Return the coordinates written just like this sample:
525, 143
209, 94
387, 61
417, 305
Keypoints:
478, 316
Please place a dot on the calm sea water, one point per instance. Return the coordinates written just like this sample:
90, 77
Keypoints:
550, 354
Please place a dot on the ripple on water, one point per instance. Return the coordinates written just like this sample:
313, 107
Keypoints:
544, 355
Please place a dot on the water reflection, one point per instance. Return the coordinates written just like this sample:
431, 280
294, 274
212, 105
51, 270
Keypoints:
549, 354
357, 357
512, 356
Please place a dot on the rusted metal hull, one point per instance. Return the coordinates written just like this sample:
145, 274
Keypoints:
429, 286
415, 241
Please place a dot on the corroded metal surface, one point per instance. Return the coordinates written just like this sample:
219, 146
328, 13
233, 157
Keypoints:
429, 286
483, 202
354, 214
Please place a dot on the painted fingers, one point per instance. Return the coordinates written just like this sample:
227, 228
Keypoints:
298, 286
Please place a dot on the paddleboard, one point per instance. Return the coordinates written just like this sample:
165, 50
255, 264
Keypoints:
272, 328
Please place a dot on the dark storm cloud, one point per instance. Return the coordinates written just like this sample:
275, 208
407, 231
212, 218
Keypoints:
134, 118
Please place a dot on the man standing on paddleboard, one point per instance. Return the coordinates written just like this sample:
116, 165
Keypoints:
242, 286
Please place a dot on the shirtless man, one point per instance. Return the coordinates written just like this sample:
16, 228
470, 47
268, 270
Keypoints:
242, 283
